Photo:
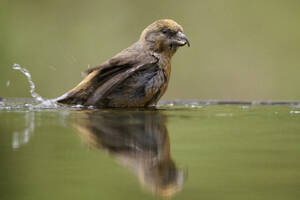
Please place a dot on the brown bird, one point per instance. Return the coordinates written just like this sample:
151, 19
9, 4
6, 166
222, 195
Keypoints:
137, 76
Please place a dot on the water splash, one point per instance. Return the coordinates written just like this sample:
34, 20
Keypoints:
35, 95
44, 103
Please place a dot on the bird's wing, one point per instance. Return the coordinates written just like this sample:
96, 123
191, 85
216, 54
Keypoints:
102, 79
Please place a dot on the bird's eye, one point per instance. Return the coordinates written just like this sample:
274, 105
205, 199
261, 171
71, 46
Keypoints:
164, 31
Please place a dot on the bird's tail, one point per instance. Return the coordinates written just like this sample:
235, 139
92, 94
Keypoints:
80, 93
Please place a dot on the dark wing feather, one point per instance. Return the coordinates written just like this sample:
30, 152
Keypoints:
102, 79
104, 89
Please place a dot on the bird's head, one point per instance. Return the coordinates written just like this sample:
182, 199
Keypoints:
164, 36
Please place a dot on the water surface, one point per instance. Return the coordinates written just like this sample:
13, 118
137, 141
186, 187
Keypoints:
181, 150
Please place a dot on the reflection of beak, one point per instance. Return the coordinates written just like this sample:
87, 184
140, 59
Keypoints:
182, 39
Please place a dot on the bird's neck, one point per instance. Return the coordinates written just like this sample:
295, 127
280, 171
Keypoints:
157, 48
164, 56
164, 59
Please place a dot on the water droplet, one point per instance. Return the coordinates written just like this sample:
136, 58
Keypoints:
224, 114
196, 106
78, 106
245, 107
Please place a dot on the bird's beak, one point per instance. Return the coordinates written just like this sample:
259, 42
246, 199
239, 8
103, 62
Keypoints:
181, 39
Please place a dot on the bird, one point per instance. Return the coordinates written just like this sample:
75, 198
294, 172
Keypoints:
137, 77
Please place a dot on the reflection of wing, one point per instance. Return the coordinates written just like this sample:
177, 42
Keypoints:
132, 133
101, 80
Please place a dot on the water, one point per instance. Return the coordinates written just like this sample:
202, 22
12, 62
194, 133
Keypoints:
182, 151
37, 101
35, 95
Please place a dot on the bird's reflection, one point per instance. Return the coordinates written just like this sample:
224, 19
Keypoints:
138, 140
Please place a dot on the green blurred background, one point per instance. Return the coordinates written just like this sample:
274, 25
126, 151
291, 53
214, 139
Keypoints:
240, 50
